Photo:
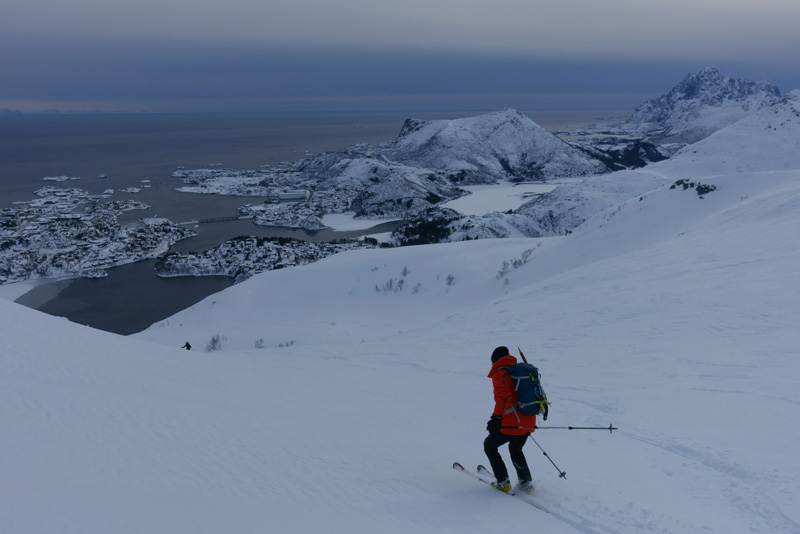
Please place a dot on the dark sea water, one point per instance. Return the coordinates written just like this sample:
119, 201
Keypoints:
127, 148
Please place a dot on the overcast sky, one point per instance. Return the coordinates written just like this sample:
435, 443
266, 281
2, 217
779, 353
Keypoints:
409, 55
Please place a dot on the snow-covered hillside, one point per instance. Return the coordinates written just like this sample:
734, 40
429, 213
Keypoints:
766, 140
343, 390
506, 145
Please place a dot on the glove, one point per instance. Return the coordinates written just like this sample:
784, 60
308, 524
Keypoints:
546, 410
493, 425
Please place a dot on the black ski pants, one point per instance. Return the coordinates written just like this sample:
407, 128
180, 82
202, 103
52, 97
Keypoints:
515, 444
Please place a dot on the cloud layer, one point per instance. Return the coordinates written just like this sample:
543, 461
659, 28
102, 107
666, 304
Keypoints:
261, 54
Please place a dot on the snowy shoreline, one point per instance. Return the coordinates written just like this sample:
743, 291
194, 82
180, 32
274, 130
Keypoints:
46, 289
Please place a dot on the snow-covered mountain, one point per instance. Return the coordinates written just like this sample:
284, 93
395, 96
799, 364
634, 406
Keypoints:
699, 105
429, 162
424, 167
767, 140
505, 145
339, 393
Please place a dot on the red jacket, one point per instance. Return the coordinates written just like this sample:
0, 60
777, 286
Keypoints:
505, 398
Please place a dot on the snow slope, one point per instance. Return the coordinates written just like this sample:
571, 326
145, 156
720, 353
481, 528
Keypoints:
672, 316
766, 140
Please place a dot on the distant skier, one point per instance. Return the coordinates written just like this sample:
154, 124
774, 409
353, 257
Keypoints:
187, 346
507, 425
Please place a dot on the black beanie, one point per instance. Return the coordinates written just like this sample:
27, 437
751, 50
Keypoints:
498, 353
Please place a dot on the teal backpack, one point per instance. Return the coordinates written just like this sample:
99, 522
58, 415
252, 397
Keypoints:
531, 397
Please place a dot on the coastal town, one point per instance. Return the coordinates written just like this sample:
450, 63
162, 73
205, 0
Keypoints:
242, 257
66, 232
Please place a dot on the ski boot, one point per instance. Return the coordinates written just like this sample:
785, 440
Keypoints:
526, 486
503, 485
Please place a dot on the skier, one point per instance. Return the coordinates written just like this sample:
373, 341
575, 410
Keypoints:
187, 346
507, 425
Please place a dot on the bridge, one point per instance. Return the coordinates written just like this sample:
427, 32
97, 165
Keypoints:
217, 219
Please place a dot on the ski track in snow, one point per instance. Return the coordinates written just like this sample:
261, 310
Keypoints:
743, 496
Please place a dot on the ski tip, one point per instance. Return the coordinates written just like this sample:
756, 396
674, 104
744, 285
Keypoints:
457, 465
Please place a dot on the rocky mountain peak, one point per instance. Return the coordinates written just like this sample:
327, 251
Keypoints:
706, 88
701, 104
712, 88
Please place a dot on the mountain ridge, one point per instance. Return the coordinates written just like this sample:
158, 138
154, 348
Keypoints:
701, 104
506, 144
766, 140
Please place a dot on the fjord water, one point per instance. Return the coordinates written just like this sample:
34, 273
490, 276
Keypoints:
120, 151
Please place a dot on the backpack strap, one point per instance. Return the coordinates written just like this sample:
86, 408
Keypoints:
534, 376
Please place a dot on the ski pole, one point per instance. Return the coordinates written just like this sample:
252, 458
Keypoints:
561, 474
610, 428
523, 356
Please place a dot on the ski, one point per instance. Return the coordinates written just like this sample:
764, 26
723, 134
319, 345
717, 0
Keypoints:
458, 467
482, 470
